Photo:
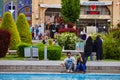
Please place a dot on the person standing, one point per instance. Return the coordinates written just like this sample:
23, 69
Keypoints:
69, 62
52, 30
99, 48
37, 31
40, 32
88, 47
32, 29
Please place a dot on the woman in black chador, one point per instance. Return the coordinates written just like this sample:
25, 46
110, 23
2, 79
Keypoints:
99, 48
88, 47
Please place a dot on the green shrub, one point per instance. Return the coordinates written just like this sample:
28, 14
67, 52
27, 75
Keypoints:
23, 29
40, 50
20, 49
54, 52
95, 35
50, 41
111, 48
4, 42
9, 24
67, 40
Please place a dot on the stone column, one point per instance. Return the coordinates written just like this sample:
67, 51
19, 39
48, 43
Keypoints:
35, 12
116, 13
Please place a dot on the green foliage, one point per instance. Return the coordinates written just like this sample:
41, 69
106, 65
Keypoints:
9, 24
111, 47
20, 49
50, 41
40, 50
118, 25
54, 52
23, 29
70, 10
12, 57
4, 42
95, 35
67, 40
116, 35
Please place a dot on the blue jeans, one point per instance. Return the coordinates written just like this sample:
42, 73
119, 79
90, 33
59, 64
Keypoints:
80, 66
91, 57
69, 66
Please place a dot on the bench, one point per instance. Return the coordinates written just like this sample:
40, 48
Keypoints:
12, 51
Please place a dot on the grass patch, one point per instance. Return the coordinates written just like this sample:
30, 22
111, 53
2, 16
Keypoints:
63, 56
11, 57
15, 57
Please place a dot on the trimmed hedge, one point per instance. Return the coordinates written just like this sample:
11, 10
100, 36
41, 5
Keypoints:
4, 42
20, 49
23, 29
40, 50
54, 52
9, 25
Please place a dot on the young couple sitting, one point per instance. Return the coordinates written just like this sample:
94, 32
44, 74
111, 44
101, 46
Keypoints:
70, 63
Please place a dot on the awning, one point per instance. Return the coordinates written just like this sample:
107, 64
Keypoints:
81, 3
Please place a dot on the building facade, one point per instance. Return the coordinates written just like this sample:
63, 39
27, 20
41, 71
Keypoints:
93, 12
16, 7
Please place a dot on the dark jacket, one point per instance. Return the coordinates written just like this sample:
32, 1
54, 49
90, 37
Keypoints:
83, 58
98, 45
88, 47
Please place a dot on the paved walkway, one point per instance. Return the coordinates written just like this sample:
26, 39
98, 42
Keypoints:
25, 62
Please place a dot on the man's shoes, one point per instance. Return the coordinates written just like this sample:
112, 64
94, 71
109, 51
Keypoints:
71, 71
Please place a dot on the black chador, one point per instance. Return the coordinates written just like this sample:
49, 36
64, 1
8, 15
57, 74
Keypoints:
88, 47
99, 48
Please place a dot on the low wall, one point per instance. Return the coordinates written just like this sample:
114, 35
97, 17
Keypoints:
54, 66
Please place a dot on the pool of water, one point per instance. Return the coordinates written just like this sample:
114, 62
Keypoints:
55, 76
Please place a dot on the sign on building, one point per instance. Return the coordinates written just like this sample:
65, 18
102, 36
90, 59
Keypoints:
91, 29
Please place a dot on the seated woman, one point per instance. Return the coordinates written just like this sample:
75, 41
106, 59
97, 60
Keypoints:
81, 63
69, 62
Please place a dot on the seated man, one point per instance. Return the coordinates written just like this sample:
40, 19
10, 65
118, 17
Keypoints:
69, 62
81, 63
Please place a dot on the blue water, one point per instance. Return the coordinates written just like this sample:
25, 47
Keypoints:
59, 76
